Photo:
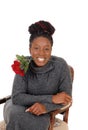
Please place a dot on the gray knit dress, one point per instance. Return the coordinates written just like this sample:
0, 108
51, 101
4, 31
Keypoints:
38, 85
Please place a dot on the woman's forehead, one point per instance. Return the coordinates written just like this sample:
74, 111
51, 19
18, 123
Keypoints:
42, 41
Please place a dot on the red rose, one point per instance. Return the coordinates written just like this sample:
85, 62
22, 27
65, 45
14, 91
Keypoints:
16, 68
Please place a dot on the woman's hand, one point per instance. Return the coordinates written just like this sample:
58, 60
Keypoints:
37, 109
61, 98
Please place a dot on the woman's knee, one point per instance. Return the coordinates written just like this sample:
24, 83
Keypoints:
11, 111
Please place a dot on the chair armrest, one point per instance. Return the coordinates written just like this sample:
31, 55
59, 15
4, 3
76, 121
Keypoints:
3, 100
62, 109
65, 111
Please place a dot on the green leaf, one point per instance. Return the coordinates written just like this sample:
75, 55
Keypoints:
24, 62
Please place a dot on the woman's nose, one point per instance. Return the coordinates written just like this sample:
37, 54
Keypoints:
41, 52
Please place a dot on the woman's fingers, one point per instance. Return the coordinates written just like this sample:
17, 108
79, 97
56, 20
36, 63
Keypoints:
61, 98
37, 109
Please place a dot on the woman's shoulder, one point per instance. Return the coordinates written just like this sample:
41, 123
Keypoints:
57, 60
59, 63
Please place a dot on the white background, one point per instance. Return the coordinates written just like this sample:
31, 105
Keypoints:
70, 18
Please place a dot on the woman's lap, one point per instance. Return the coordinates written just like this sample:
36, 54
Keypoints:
16, 115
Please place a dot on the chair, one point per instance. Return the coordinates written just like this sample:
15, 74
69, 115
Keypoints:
55, 123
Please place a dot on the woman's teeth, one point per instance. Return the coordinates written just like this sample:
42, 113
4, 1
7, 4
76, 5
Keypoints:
41, 59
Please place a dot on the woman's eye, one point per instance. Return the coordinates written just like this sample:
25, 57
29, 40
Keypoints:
47, 49
36, 48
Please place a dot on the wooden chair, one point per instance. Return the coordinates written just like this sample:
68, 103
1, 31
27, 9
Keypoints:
55, 123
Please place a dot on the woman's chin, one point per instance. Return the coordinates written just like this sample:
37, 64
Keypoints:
40, 63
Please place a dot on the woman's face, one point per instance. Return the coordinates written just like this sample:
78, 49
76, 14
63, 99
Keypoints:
41, 50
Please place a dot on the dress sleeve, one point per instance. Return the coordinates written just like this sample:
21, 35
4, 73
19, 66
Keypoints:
65, 82
20, 96
65, 85
51, 106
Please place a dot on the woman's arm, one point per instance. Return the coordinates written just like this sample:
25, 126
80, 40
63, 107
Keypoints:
20, 96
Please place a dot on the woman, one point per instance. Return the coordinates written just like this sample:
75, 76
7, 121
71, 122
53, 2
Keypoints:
45, 87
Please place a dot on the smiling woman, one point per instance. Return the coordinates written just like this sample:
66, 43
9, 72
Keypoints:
45, 86
41, 41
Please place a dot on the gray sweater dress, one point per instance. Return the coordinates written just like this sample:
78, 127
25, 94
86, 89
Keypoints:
38, 85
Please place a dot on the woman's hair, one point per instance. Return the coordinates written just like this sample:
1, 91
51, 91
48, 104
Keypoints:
41, 28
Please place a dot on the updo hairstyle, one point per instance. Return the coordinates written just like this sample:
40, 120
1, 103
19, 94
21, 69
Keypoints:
41, 28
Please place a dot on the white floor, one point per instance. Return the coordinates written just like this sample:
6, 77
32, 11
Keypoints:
1, 112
